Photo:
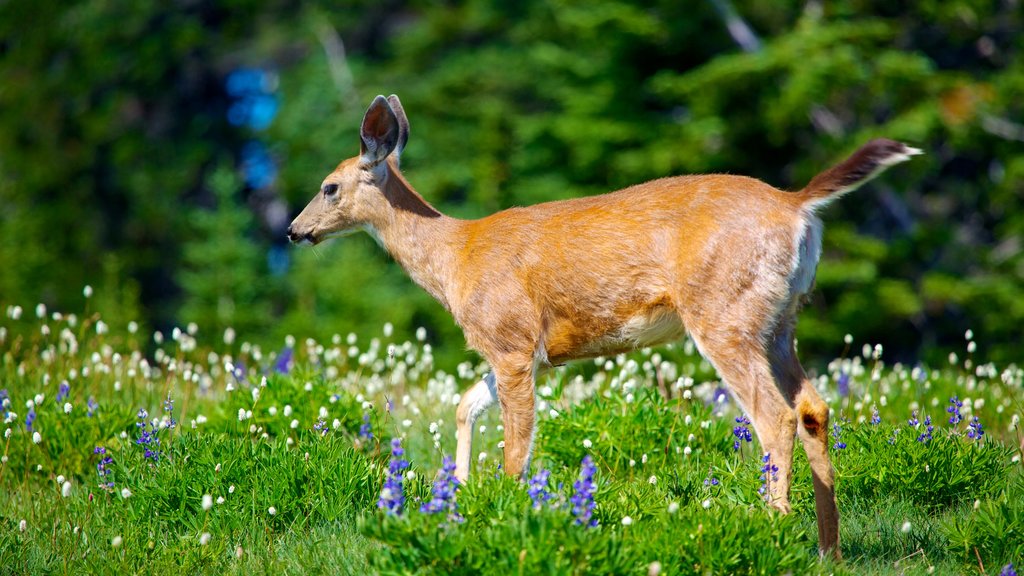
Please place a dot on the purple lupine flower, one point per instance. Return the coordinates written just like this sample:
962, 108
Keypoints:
710, 480
913, 419
365, 432
63, 391
284, 360
1008, 570
4, 401
926, 436
769, 474
582, 500
975, 430
169, 412
389, 405
837, 433
538, 489
30, 419
720, 395
954, 410
92, 405
321, 427
391, 497
240, 372
844, 384
741, 432
148, 436
895, 433
875, 418
443, 493
103, 468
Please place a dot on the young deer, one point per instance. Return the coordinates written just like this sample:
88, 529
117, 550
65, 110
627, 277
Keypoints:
726, 259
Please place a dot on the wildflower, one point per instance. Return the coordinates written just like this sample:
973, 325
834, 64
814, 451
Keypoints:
582, 500
1007, 570
974, 429
906, 527
126, 493
63, 391
30, 419
741, 432
207, 502
626, 520
710, 480
240, 372
875, 418
92, 406
272, 511
321, 427
65, 489
587, 443
844, 384
769, 474
954, 410
706, 503
538, 489
148, 436
673, 507
68, 407
116, 541
391, 497
103, 469
284, 360
169, 412
23, 526
37, 437
204, 539
837, 432
913, 419
365, 431
926, 436
892, 439
443, 493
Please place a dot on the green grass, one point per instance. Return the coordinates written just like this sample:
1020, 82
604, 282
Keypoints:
952, 505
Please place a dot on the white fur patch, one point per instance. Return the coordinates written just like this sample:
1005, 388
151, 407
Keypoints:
660, 326
480, 397
806, 255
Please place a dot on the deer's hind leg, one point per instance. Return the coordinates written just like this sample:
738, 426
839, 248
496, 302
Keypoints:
812, 429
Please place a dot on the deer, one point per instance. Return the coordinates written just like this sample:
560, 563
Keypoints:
727, 260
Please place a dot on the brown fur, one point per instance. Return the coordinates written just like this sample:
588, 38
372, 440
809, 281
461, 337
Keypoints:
725, 257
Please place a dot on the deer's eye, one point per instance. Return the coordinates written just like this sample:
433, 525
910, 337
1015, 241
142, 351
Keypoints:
330, 189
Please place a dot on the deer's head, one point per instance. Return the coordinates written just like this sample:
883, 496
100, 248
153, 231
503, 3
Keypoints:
349, 196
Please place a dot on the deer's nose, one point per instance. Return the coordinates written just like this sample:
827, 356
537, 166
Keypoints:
294, 236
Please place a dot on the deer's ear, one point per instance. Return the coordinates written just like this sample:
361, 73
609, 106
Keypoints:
379, 133
403, 124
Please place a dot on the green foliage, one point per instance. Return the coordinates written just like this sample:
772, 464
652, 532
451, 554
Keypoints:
946, 471
993, 528
670, 489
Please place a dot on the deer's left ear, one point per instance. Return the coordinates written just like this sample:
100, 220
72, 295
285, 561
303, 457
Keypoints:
379, 133
403, 124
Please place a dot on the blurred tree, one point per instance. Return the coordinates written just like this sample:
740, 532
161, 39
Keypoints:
112, 116
223, 273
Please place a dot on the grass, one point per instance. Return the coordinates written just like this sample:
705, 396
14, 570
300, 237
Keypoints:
260, 462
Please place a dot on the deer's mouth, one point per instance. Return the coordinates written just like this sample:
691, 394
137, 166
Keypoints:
307, 239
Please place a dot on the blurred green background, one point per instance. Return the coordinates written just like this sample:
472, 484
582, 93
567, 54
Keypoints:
157, 150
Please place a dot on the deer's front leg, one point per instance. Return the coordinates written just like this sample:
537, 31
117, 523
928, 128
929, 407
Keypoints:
518, 412
474, 402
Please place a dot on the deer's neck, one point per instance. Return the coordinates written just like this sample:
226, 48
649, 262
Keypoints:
419, 237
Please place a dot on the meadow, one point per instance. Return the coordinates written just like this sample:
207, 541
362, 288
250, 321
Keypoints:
130, 452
